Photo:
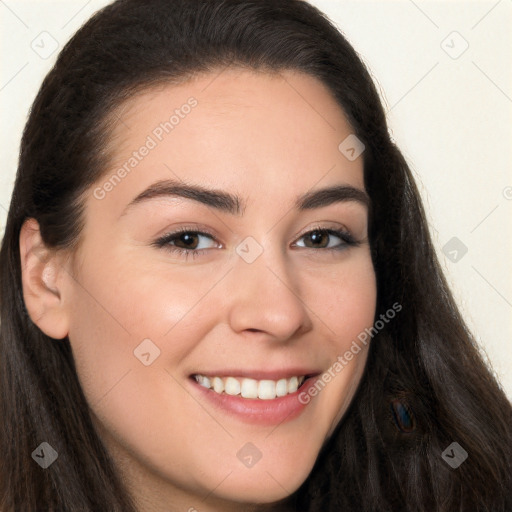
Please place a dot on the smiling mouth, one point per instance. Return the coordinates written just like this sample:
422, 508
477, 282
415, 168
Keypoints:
264, 389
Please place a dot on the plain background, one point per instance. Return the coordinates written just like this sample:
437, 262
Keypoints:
443, 69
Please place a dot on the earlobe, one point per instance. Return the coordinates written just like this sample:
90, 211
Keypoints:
41, 276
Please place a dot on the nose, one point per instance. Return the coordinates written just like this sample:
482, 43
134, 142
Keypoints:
264, 296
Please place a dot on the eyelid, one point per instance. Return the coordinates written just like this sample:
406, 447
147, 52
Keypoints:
327, 226
199, 230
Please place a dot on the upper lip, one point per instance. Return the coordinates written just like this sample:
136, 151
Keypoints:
282, 373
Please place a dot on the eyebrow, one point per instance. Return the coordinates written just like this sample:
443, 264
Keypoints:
232, 204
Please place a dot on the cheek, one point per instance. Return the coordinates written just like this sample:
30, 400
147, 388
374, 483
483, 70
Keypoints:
125, 298
118, 306
346, 301
347, 310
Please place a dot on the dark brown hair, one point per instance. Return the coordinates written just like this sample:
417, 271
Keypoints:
425, 384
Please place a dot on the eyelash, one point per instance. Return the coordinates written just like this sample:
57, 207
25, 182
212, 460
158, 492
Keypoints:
164, 241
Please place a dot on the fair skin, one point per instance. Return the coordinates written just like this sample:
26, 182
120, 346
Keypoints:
295, 308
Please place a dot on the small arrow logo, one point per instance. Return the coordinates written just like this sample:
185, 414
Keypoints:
454, 45
351, 147
450, 454
454, 455
249, 455
44, 45
249, 249
455, 249
146, 352
45, 455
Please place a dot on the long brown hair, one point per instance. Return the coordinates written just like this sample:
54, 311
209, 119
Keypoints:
425, 385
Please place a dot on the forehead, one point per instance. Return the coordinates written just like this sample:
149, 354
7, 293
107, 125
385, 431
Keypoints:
252, 132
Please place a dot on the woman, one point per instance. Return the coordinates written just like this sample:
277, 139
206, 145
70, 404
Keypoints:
218, 289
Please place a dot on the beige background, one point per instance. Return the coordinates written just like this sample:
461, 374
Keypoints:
444, 72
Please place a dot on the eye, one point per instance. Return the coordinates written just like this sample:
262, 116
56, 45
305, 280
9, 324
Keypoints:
325, 238
186, 241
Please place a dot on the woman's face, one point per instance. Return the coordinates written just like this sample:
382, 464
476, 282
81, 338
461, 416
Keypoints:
268, 285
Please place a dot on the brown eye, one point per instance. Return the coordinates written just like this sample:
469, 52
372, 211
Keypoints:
326, 239
186, 240
318, 238
189, 240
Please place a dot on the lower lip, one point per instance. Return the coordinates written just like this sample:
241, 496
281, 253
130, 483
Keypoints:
257, 411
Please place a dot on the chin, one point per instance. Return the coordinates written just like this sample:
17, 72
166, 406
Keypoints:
263, 486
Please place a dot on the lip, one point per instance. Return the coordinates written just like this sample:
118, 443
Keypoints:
257, 411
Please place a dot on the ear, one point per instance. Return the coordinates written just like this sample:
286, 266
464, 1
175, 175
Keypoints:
42, 275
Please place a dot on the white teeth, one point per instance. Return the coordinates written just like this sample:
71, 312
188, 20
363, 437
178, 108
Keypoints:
218, 384
250, 388
232, 386
281, 387
267, 389
293, 385
204, 381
